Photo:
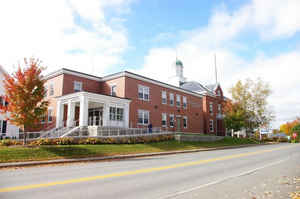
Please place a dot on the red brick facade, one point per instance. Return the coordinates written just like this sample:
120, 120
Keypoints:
196, 113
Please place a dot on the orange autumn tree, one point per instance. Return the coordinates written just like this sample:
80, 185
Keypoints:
288, 126
24, 94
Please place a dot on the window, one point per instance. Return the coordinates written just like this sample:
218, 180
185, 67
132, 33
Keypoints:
164, 119
184, 101
113, 89
211, 126
120, 113
1, 100
143, 93
219, 108
164, 97
143, 117
50, 119
116, 114
112, 113
171, 99
77, 86
51, 89
3, 127
178, 100
218, 93
46, 91
171, 120
185, 122
211, 108
43, 119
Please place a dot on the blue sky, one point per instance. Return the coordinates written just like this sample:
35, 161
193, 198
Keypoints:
251, 38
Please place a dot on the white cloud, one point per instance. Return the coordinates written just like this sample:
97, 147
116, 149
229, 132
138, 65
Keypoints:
47, 30
271, 19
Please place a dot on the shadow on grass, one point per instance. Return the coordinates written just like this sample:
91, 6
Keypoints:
70, 151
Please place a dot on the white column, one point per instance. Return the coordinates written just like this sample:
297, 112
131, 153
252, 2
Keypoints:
71, 113
106, 114
59, 114
84, 106
126, 115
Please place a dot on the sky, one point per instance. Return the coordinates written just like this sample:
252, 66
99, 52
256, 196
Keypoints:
251, 39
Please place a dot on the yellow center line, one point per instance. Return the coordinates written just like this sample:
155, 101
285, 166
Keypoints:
139, 171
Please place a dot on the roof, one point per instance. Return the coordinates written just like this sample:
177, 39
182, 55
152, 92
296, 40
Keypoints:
120, 74
212, 87
196, 87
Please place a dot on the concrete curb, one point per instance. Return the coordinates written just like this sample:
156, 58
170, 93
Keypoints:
117, 157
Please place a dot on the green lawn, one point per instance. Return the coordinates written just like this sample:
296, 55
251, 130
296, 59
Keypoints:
20, 153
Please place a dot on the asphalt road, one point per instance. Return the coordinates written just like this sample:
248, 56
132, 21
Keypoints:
269, 171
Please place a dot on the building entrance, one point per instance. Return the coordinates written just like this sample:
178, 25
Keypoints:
95, 117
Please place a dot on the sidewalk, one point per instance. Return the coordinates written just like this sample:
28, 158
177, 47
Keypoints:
117, 157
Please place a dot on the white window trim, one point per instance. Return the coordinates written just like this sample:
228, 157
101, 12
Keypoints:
111, 90
51, 85
164, 96
211, 108
178, 101
1, 126
50, 115
184, 102
186, 119
162, 116
219, 108
211, 129
144, 88
171, 94
77, 83
172, 115
144, 111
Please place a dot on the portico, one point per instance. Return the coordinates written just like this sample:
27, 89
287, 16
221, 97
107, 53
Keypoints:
91, 109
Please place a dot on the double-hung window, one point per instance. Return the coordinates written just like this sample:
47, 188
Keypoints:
171, 120
143, 117
211, 108
171, 99
46, 90
178, 100
164, 97
50, 118
113, 89
184, 101
116, 114
143, 92
211, 125
164, 119
219, 108
77, 86
185, 122
51, 89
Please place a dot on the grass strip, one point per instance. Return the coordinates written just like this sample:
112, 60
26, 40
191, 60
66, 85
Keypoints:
20, 153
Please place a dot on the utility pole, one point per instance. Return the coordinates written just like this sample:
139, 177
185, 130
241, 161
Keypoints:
216, 73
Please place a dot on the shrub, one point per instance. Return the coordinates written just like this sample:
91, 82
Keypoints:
9, 142
65, 141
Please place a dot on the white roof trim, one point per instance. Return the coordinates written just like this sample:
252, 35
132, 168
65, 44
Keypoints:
121, 74
66, 71
138, 77
75, 97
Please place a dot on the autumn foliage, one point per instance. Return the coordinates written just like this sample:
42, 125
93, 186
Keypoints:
287, 127
24, 94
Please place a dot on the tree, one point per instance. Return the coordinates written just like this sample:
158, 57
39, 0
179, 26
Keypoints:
24, 94
288, 126
296, 129
250, 98
235, 116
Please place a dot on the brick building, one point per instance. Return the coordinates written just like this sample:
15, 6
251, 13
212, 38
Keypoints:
126, 100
